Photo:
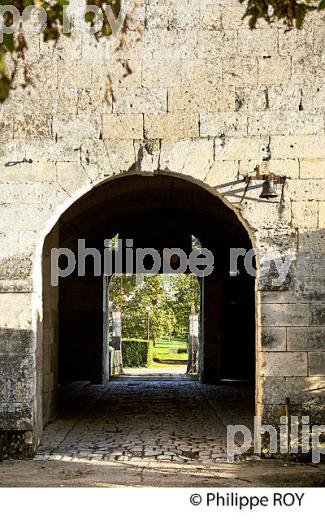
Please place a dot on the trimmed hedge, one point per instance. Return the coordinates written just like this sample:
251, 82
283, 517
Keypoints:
137, 353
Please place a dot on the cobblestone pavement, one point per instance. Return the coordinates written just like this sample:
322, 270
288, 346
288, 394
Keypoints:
141, 419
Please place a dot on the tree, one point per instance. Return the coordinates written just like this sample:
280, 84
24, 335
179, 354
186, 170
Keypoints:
133, 301
186, 294
291, 12
170, 305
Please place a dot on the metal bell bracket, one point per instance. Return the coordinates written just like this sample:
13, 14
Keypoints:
277, 179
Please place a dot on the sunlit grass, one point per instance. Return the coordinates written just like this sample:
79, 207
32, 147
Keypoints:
169, 352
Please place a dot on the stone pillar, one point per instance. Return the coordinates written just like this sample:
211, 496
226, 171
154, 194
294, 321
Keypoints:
116, 330
193, 343
116, 351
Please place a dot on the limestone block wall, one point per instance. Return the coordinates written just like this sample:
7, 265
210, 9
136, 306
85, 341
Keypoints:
207, 99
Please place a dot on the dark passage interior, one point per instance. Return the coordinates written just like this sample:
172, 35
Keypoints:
157, 212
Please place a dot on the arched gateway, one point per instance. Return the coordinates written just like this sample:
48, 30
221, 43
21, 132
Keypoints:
155, 212
197, 101
245, 322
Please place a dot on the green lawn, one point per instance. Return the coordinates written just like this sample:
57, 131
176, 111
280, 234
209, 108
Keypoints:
170, 353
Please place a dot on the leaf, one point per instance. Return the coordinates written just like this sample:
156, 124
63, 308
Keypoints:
4, 87
8, 41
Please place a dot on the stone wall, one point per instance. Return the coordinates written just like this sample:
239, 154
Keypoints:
207, 99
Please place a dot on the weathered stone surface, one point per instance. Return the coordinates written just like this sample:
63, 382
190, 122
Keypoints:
278, 297
291, 147
171, 126
310, 265
307, 71
190, 98
139, 101
285, 123
305, 214
123, 126
194, 157
274, 70
13, 341
295, 42
260, 42
283, 167
306, 338
213, 44
283, 97
317, 314
308, 392
273, 338
316, 363
250, 100
310, 274
16, 416
322, 215
44, 171
240, 71
74, 75
232, 15
16, 367
312, 242
164, 73
223, 124
312, 168
277, 277
273, 389
81, 127
279, 315
313, 98
15, 311
233, 149
71, 176
283, 364
305, 191
31, 125
16, 268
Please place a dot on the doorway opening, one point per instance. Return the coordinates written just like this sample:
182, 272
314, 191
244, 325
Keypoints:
153, 325
79, 348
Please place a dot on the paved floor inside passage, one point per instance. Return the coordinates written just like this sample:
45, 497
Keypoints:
136, 418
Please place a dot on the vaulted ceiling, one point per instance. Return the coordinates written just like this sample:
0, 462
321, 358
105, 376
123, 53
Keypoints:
156, 211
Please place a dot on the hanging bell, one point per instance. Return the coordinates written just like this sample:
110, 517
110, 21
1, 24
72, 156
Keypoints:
269, 191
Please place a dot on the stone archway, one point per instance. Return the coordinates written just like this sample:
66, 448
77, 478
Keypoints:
155, 211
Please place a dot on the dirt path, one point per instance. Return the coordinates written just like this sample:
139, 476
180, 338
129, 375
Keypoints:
153, 474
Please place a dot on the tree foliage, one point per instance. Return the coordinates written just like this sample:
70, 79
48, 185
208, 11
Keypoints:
291, 12
15, 45
170, 304
186, 295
